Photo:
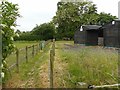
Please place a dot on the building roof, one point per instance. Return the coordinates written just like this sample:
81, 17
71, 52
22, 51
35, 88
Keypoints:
92, 27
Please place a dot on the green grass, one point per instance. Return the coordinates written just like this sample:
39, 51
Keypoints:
91, 65
23, 44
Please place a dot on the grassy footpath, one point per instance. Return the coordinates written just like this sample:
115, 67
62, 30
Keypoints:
30, 73
91, 65
59, 67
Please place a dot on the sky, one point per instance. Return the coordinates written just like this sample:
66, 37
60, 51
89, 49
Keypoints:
42, 11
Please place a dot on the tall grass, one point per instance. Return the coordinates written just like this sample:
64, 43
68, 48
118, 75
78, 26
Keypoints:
91, 65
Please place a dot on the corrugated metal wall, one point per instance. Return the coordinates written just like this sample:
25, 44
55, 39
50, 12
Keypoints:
111, 35
79, 37
118, 33
92, 37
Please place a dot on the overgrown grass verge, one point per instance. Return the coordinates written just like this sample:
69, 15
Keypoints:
91, 65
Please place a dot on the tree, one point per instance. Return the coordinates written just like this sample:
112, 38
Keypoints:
18, 32
71, 16
26, 36
45, 31
8, 20
105, 18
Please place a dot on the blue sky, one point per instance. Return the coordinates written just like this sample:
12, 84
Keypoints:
40, 11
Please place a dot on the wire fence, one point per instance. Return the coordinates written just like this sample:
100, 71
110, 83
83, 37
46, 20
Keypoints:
23, 55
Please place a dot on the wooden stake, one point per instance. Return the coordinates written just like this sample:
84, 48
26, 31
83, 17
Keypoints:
33, 51
17, 60
51, 68
26, 54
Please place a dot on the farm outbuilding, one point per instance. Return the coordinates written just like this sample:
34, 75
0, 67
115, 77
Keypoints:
79, 37
89, 35
112, 34
108, 35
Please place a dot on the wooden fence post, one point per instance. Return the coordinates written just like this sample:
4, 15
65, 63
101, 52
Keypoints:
38, 47
51, 68
17, 60
26, 54
53, 46
41, 45
33, 51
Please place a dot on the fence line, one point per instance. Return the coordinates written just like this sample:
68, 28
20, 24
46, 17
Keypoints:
24, 56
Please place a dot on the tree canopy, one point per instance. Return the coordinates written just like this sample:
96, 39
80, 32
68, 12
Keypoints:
45, 31
105, 18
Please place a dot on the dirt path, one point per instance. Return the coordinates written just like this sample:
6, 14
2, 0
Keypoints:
43, 74
58, 72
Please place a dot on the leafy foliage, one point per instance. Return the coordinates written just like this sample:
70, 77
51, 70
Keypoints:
26, 36
105, 18
45, 31
8, 18
8, 22
70, 16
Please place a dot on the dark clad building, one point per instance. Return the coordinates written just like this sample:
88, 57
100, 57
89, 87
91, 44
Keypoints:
108, 35
89, 35
112, 34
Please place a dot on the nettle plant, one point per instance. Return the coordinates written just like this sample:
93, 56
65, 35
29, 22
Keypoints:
8, 17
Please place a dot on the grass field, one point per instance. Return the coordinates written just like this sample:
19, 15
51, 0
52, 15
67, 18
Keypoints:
91, 65
73, 64
23, 44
